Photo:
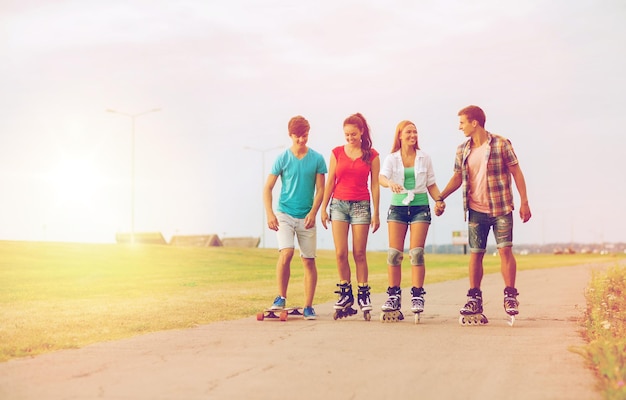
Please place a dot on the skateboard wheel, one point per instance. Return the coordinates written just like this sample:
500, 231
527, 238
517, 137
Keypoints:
284, 315
260, 316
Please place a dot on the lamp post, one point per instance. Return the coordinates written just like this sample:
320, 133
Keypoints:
263, 151
132, 117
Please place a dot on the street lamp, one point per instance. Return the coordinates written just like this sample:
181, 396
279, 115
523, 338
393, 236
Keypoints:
132, 164
263, 151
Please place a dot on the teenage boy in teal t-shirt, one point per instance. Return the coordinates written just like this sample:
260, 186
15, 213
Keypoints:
301, 170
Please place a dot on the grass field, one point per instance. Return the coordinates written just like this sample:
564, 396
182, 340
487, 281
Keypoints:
59, 295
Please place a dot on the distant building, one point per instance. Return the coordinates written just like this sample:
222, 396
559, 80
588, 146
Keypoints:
140, 238
241, 241
211, 240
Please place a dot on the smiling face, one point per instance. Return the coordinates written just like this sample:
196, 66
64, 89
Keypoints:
299, 142
408, 135
353, 135
468, 127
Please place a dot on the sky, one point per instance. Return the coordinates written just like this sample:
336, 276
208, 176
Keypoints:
227, 76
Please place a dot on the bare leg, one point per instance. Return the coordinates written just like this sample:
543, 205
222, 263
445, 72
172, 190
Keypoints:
359, 251
476, 269
419, 231
283, 270
340, 238
397, 233
310, 280
508, 265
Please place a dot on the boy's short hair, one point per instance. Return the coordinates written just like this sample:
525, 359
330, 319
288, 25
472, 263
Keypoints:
474, 113
298, 126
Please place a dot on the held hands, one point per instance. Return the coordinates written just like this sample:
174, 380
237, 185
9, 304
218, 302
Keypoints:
440, 207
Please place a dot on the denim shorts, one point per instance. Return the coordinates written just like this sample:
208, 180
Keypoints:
356, 212
409, 214
479, 226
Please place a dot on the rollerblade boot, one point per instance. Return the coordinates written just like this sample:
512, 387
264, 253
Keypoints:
391, 308
472, 312
343, 306
417, 302
364, 301
511, 303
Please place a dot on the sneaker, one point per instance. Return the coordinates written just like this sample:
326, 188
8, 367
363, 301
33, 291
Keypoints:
309, 313
279, 303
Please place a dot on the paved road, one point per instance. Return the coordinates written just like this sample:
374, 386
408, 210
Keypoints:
345, 359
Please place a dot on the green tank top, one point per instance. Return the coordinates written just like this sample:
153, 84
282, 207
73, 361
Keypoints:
420, 199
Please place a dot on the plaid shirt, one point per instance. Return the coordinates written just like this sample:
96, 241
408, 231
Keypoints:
500, 156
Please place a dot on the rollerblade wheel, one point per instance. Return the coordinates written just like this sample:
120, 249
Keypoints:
417, 318
336, 315
511, 320
367, 316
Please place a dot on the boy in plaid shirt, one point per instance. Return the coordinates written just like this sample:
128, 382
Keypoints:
484, 165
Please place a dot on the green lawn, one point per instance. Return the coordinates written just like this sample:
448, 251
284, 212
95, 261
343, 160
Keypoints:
58, 295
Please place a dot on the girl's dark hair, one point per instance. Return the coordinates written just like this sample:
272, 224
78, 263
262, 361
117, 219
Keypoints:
359, 121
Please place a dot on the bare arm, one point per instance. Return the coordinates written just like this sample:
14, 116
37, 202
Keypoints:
330, 188
454, 183
309, 220
386, 182
272, 221
440, 205
520, 183
375, 185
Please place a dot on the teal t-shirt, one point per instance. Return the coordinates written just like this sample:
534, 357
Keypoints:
298, 181
420, 199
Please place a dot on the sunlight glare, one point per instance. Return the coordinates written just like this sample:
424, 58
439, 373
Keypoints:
76, 183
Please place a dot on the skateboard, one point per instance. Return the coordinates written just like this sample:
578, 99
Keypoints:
349, 311
391, 316
281, 315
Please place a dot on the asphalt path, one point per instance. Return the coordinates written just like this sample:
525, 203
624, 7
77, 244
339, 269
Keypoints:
344, 359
